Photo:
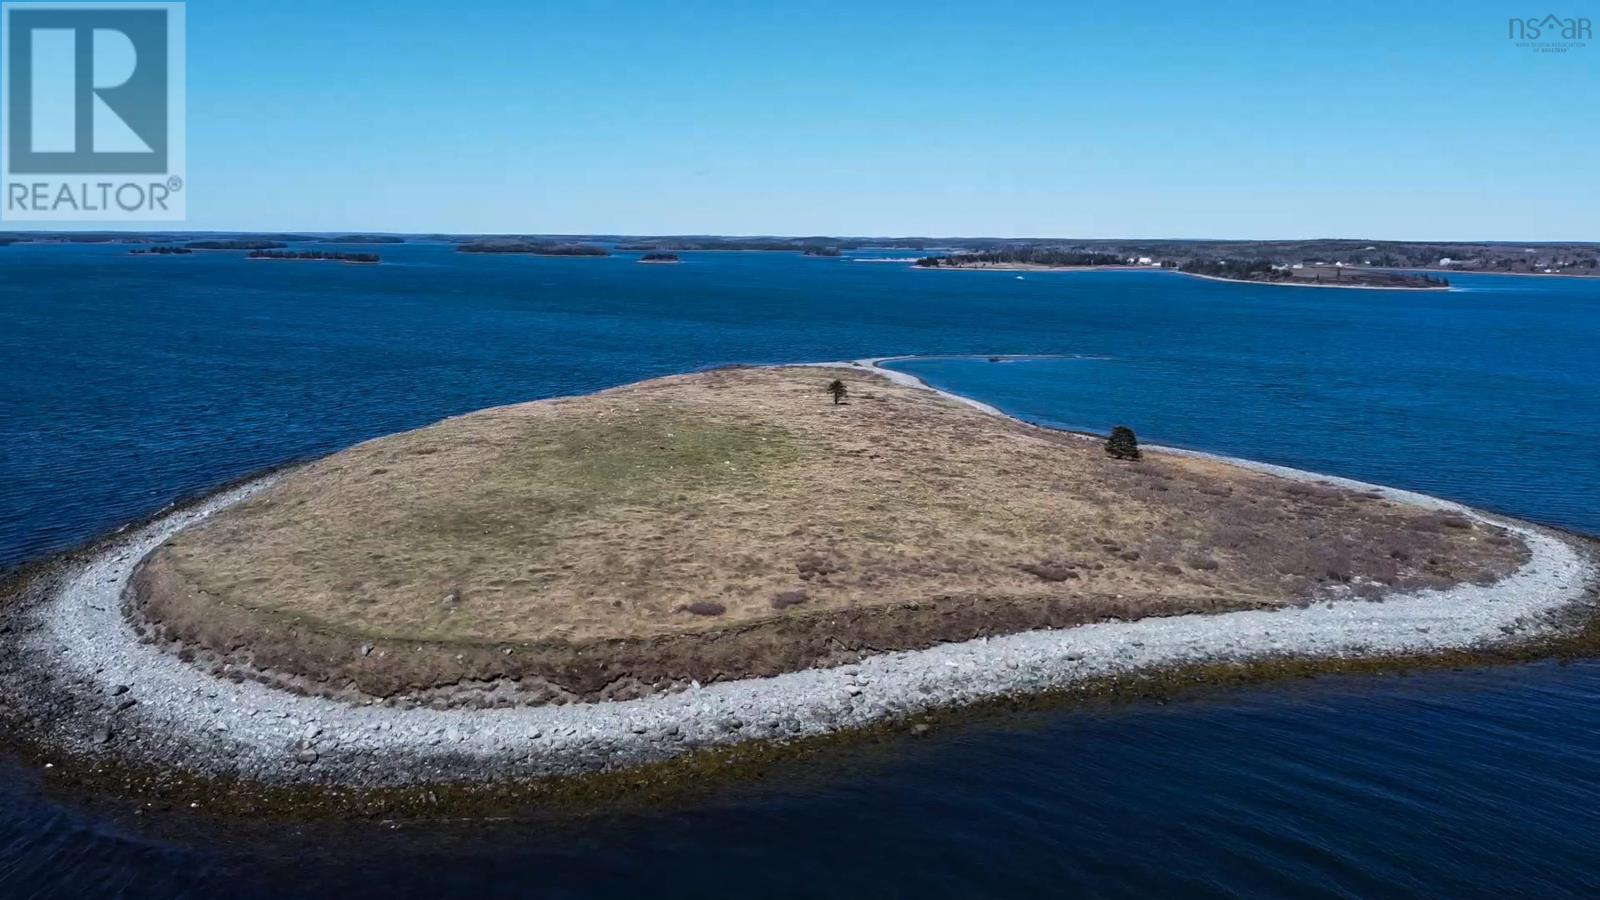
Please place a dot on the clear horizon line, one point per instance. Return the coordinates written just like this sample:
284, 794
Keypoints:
763, 235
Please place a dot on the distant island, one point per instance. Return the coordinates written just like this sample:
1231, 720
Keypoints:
811, 246
1252, 270
533, 248
236, 245
1025, 258
316, 255
1323, 256
162, 250
1265, 271
660, 258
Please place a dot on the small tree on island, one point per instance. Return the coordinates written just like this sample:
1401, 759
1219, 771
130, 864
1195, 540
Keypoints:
1122, 444
839, 391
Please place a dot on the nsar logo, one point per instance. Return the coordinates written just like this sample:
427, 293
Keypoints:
1550, 33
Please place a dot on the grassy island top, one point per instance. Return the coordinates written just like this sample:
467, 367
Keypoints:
740, 522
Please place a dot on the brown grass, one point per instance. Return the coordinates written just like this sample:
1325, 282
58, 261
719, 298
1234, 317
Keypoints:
738, 522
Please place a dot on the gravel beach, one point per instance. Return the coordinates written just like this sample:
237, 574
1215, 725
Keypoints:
79, 672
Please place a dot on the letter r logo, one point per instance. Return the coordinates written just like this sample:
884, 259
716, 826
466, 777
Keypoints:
87, 89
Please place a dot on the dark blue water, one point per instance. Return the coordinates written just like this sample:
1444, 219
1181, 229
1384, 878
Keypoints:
131, 382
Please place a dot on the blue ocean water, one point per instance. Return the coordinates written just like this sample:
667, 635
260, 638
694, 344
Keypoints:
131, 382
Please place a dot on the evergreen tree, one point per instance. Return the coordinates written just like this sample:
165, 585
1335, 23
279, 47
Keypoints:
839, 391
1122, 443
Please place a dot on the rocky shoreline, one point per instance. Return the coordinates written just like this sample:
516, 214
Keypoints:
76, 680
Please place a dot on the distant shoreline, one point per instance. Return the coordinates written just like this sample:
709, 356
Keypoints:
1475, 272
1034, 267
1320, 284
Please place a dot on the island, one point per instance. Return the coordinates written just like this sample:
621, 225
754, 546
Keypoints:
645, 584
1567, 259
1263, 271
811, 246
533, 248
1026, 258
316, 256
736, 524
161, 250
1252, 270
659, 258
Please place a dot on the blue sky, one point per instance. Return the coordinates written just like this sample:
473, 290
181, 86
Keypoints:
1408, 120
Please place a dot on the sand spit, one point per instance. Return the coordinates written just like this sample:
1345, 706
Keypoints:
78, 671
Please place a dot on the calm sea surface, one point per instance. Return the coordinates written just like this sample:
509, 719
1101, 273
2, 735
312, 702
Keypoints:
129, 383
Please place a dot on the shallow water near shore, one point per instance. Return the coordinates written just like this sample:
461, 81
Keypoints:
1483, 790
137, 381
